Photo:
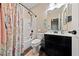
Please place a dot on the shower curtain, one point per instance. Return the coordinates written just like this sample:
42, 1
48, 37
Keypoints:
7, 30
19, 31
10, 30
15, 29
3, 34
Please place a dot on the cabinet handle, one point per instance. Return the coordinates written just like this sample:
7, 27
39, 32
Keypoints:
73, 32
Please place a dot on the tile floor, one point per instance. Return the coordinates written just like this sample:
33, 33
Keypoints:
30, 53
40, 53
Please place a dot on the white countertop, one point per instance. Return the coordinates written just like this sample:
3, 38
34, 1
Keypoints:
65, 34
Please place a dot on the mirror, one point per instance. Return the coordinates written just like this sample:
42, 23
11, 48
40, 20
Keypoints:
61, 18
54, 24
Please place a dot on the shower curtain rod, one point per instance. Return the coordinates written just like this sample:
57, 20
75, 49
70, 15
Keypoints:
27, 9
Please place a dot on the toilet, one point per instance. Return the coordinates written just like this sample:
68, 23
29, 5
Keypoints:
36, 44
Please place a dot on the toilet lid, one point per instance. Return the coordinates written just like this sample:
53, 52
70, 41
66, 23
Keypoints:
36, 41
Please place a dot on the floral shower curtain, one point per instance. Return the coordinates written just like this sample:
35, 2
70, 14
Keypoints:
3, 34
10, 30
19, 31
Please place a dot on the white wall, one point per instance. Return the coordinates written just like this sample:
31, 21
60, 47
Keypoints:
75, 26
40, 11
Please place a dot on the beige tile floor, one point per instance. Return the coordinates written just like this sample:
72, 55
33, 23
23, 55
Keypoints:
30, 53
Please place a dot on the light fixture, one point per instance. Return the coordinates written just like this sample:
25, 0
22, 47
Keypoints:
52, 6
59, 5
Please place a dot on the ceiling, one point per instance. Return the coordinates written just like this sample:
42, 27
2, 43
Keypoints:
30, 5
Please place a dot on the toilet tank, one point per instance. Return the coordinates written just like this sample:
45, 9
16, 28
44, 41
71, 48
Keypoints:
40, 35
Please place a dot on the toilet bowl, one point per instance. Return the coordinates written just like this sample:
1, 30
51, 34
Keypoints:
36, 44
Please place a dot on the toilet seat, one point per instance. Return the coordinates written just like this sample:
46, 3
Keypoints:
36, 41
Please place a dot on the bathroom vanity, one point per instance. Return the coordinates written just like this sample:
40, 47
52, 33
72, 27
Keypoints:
58, 44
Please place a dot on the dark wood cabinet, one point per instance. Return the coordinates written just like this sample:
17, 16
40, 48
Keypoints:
57, 45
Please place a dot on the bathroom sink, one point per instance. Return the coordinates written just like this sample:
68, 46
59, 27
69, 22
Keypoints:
59, 33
